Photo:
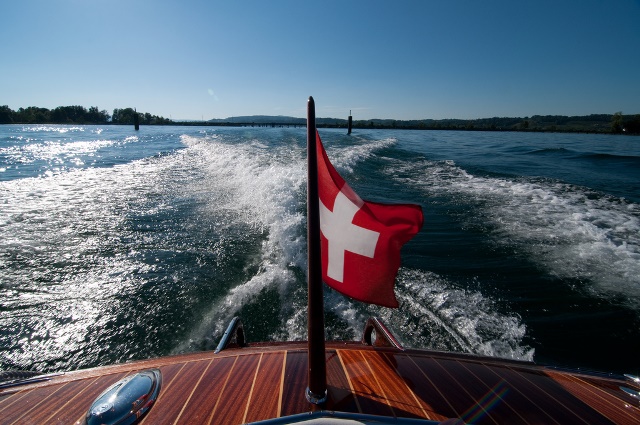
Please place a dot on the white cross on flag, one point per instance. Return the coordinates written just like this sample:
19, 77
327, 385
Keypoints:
361, 240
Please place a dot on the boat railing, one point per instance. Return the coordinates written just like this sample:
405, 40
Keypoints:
233, 336
377, 334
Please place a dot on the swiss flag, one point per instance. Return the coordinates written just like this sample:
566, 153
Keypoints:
361, 240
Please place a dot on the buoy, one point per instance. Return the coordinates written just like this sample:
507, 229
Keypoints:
350, 122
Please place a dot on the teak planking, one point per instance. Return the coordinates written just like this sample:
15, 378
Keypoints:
262, 382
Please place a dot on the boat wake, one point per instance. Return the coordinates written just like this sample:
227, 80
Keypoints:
265, 187
570, 231
446, 318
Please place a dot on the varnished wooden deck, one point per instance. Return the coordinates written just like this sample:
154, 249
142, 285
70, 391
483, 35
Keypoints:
251, 384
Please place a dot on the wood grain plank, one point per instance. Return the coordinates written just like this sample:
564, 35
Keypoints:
266, 390
429, 395
398, 394
198, 380
339, 394
614, 408
177, 392
207, 393
478, 392
508, 403
11, 399
549, 397
280, 393
58, 403
236, 392
295, 384
212, 416
77, 407
367, 390
170, 373
27, 405
253, 384
449, 389
112, 369
523, 399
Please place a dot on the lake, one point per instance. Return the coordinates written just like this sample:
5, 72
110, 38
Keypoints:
119, 245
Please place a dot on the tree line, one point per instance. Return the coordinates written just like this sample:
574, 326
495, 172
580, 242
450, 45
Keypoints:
596, 123
77, 115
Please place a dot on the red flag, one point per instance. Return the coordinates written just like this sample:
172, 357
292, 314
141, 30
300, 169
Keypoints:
361, 240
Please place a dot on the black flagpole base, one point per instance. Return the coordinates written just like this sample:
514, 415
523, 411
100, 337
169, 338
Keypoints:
315, 398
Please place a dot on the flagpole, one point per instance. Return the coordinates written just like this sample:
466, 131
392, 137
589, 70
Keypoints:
317, 390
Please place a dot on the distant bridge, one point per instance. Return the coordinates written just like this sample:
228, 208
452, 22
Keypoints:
270, 124
244, 124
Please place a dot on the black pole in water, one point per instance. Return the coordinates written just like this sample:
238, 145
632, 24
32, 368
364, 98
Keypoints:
350, 122
317, 389
136, 119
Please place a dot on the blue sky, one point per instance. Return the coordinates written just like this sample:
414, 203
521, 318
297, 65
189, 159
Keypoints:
393, 59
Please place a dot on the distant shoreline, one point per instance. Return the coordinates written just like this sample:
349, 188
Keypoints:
78, 115
402, 127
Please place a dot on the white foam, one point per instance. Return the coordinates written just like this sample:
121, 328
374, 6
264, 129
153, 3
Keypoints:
260, 188
571, 231
352, 315
54, 129
213, 324
435, 314
345, 158
432, 314
266, 189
